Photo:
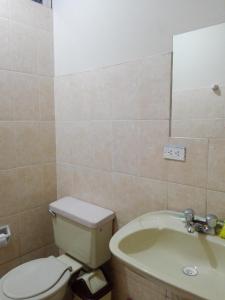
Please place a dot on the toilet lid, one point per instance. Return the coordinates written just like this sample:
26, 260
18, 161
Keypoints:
34, 278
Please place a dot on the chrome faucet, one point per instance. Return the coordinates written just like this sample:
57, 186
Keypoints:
207, 225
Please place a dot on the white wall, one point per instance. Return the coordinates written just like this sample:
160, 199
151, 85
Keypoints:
199, 58
94, 33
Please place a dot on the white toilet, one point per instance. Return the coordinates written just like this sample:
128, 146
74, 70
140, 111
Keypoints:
82, 231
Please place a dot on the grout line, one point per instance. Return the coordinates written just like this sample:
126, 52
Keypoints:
21, 256
140, 60
27, 210
109, 120
35, 74
73, 166
25, 122
40, 164
112, 172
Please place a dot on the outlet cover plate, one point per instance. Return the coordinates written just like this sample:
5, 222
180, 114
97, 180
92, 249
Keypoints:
174, 152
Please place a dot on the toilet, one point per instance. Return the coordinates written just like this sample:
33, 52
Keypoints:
82, 231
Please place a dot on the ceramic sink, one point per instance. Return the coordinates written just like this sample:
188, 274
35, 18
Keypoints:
158, 245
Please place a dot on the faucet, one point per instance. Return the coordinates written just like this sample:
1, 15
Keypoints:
207, 225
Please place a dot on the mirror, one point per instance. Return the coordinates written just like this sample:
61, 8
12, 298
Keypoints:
198, 101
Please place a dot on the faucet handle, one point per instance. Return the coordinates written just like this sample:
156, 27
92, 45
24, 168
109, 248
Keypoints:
211, 220
189, 214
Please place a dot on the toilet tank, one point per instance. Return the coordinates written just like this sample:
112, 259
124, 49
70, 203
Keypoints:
82, 230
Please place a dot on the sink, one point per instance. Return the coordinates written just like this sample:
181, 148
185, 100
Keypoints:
158, 245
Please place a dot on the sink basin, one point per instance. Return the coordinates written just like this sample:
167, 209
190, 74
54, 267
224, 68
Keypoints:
158, 245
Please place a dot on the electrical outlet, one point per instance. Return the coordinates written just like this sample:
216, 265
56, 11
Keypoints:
174, 152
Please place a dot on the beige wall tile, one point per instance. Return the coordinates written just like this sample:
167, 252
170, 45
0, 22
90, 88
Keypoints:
153, 131
49, 183
8, 194
61, 93
36, 234
134, 196
216, 167
30, 13
93, 186
216, 203
125, 197
181, 197
51, 249
154, 87
151, 164
153, 135
87, 96
5, 96
47, 141
23, 11
64, 141
25, 100
9, 266
62, 98
71, 100
5, 58
35, 185
7, 146
101, 98
121, 87
46, 99
155, 97
79, 98
29, 187
43, 17
35, 143
82, 183
28, 150
25, 97
81, 143
194, 170
64, 180
101, 140
125, 146
12, 250
45, 58
23, 48
153, 194
40, 253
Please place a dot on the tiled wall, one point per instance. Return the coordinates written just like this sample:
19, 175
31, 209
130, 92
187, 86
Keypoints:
111, 126
27, 133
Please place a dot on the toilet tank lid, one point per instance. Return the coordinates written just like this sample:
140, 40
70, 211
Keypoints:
82, 212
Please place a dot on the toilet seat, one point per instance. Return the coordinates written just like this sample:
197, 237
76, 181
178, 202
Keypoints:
34, 280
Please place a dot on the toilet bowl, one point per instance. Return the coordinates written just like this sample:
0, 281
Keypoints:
44, 278
81, 230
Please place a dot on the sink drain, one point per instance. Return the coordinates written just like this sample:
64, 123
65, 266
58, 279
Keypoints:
190, 271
